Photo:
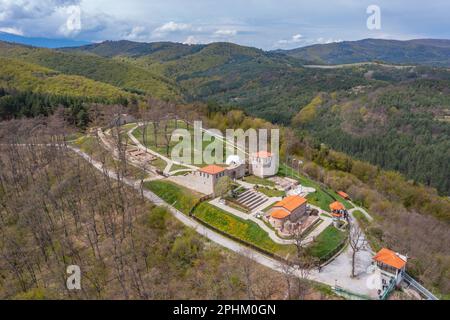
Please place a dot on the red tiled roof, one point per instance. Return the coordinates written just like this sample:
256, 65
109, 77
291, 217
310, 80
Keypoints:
343, 194
212, 169
280, 214
291, 203
336, 206
390, 258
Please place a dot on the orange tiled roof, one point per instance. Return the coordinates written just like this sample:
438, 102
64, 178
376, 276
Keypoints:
390, 258
212, 169
343, 194
280, 214
291, 203
262, 154
336, 206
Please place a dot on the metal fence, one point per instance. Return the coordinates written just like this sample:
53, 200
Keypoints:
421, 289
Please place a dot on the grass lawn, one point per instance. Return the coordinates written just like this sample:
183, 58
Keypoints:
161, 139
326, 242
150, 139
271, 192
362, 219
159, 164
180, 197
236, 206
176, 167
74, 136
257, 180
247, 231
124, 132
322, 197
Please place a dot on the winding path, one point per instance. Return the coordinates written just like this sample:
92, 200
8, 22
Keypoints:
169, 162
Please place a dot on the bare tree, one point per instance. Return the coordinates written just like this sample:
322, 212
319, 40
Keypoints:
247, 266
288, 270
357, 243
305, 266
299, 236
156, 113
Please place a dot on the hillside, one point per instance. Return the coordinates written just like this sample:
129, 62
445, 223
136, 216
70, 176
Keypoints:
24, 76
119, 74
399, 127
422, 51
163, 50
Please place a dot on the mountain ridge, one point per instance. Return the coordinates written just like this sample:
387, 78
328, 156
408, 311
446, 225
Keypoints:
434, 52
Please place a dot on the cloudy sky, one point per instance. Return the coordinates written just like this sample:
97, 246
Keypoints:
267, 24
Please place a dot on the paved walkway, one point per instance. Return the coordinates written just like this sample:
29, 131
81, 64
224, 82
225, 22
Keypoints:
115, 154
169, 162
339, 270
364, 212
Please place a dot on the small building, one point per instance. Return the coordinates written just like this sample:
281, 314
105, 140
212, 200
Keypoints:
236, 170
290, 209
338, 210
263, 164
391, 268
207, 177
343, 195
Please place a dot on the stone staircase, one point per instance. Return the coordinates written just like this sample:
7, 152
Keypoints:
252, 199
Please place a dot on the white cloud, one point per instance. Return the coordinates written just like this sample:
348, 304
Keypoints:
72, 25
12, 30
226, 32
234, 20
327, 41
191, 40
31, 9
174, 27
296, 38
136, 33
55, 17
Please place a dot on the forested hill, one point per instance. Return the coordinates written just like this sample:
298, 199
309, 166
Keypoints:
399, 127
123, 75
165, 51
421, 51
